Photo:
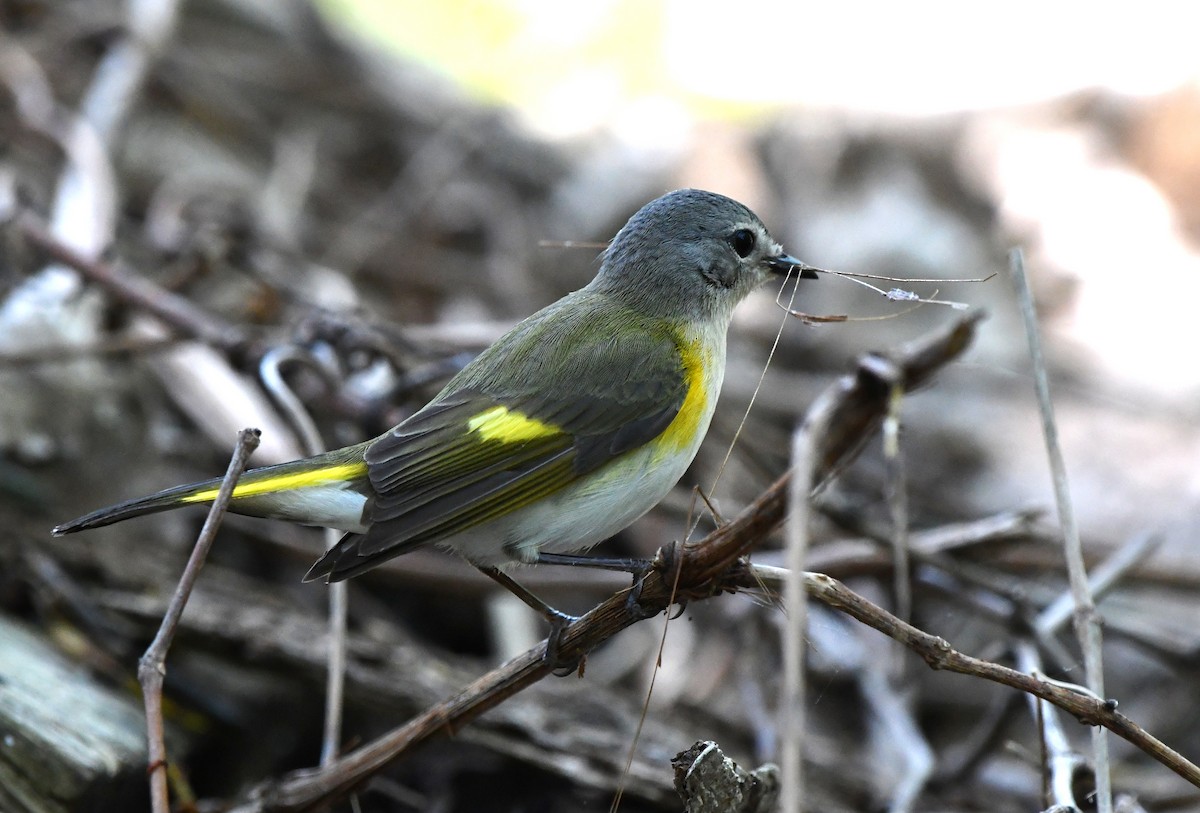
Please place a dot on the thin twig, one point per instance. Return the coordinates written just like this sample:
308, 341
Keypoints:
903, 295
805, 442
310, 436
897, 496
808, 466
859, 275
1061, 761
152, 665
1087, 622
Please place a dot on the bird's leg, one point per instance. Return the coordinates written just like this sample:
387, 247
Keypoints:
618, 563
558, 620
638, 568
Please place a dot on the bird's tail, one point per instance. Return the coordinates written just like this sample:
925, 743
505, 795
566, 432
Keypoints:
193, 494
321, 490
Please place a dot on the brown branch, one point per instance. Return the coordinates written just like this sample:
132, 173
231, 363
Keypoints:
856, 404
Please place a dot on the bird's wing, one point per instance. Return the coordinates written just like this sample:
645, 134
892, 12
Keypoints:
552, 401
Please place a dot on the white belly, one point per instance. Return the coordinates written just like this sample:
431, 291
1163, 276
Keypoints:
580, 515
591, 511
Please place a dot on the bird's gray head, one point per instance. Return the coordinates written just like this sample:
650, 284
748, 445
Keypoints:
691, 253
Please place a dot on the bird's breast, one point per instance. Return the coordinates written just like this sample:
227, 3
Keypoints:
702, 354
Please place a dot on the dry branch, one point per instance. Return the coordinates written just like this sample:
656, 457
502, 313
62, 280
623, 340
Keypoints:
856, 404
938, 653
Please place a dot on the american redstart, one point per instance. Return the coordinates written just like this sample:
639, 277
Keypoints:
571, 426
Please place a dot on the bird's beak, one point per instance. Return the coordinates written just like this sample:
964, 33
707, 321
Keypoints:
784, 263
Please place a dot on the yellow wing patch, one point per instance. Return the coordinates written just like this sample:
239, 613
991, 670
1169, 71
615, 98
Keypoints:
502, 424
285, 482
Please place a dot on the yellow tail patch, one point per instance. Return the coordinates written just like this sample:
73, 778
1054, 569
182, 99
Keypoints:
286, 482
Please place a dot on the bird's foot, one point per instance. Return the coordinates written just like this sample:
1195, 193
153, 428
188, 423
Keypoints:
553, 657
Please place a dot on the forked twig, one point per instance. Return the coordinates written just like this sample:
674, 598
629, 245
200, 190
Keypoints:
938, 654
152, 665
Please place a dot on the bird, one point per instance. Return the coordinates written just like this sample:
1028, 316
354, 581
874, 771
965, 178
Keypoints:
563, 432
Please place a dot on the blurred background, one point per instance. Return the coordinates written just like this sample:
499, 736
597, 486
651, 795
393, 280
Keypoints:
385, 187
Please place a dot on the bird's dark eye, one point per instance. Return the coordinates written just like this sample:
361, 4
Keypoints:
742, 242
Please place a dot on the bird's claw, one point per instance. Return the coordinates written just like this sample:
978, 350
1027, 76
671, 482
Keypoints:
553, 657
